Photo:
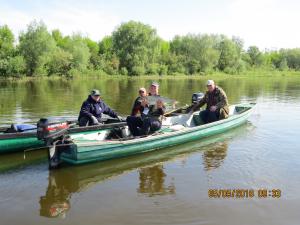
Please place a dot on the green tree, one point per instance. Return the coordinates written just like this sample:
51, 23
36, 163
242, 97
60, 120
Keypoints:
36, 46
136, 45
255, 56
77, 47
197, 52
6, 42
230, 56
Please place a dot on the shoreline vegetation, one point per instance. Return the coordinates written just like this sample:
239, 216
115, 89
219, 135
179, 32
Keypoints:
134, 50
95, 75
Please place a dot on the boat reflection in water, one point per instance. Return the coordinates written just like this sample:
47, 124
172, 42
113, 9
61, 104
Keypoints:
153, 180
214, 157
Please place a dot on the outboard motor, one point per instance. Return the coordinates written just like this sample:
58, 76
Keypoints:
55, 138
196, 97
44, 128
42, 131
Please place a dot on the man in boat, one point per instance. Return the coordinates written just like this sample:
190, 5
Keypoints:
151, 115
216, 104
92, 109
137, 107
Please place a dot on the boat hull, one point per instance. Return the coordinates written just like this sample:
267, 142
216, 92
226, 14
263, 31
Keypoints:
19, 144
82, 152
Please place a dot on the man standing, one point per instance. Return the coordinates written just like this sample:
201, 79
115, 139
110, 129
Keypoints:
92, 109
216, 104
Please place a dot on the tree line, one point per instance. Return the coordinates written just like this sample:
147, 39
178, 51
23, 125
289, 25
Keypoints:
132, 49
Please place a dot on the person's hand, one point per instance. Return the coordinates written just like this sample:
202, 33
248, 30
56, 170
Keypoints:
213, 108
159, 104
144, 102
120, 118
95, 121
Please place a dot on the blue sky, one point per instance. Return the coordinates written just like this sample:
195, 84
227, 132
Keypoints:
265, 23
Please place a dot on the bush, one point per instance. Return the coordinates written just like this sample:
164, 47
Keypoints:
153, 69
137, 70
163, 70
123, 71
16, 66
60, 63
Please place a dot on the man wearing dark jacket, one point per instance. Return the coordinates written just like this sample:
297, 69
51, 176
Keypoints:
92, 109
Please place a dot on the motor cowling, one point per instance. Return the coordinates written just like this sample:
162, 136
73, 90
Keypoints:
44, 128
196, 97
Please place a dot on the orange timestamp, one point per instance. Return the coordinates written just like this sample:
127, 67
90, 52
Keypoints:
244, 193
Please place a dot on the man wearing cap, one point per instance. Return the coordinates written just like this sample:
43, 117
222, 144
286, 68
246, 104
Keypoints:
216, 103
92, 109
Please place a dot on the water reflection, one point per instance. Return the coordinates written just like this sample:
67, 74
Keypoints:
56, 201
214, 157
152, 181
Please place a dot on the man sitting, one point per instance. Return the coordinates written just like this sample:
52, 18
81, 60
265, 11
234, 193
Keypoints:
92, 109
216, 104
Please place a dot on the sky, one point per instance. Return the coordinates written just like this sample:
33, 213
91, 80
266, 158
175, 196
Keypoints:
268, 24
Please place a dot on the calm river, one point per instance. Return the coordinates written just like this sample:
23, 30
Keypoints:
168, 186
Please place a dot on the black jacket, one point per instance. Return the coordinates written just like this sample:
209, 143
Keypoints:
92, 108
137, 107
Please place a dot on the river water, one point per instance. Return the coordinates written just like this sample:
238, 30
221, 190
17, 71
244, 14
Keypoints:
169, 186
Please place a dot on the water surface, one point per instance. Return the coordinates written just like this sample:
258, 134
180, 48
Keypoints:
168, 186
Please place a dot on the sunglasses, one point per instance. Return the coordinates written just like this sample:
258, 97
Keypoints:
141, 92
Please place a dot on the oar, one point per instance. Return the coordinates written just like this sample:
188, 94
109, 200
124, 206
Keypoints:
175, 110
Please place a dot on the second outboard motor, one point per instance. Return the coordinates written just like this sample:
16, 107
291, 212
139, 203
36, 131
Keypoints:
196, 97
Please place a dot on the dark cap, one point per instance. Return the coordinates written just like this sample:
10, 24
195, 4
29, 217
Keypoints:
95, 92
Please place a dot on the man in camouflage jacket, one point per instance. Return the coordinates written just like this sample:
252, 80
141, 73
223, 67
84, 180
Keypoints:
216, 104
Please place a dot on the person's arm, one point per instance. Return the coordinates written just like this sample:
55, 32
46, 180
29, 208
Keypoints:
223, 100
161, 109
86, 109
109, 111
136, 107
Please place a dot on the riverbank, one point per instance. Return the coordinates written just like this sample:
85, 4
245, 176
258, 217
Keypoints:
214, 75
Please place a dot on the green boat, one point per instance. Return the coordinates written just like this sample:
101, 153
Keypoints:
178, 127
14, 140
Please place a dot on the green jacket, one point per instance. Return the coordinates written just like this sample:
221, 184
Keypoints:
218, 98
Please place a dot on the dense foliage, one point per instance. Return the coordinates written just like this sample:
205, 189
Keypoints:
132, 49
